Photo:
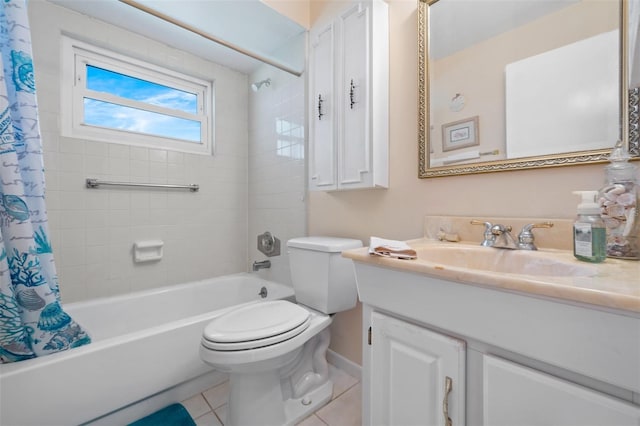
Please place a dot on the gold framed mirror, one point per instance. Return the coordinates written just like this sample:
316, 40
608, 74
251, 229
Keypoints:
514, 94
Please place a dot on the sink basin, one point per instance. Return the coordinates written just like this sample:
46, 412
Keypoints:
504, 261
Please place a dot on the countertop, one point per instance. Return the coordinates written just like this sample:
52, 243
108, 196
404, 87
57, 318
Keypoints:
614, 284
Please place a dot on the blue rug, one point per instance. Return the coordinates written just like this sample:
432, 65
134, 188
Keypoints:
173, 415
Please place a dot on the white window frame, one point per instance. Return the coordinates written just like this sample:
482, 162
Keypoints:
76, 55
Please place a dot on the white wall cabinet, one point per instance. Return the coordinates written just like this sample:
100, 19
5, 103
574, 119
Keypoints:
417, 376
348, 99
525, 360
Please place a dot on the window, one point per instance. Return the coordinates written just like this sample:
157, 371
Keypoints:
113, 98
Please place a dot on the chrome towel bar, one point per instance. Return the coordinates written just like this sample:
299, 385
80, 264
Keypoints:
95, 183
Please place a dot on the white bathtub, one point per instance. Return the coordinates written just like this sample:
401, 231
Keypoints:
143, 343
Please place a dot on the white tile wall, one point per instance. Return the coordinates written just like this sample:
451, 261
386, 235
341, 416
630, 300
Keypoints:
277, 179
93, 230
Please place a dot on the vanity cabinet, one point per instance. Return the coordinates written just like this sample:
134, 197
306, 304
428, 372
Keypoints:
525, 360
515, 395
417, 376
348, 99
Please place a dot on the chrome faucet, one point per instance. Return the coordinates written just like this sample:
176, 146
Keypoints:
503, 237
261, 265
499, 236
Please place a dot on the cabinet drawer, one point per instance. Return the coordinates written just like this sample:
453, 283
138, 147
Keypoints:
517, 395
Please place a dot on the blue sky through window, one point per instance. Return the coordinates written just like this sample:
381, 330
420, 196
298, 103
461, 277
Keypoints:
111, 115
114, 116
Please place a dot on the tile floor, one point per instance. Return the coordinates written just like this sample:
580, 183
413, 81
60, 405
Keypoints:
209, 407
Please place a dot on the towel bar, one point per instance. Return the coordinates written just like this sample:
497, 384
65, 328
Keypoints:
95, 183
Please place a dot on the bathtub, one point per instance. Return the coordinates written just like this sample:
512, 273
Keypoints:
143, 344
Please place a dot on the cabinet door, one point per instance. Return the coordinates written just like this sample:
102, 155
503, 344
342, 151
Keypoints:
354, 82
515, 395
410, 368
322, 153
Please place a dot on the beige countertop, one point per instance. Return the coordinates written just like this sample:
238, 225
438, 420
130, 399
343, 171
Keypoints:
613, 284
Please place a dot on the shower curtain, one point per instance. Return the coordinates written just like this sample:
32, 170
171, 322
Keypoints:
32, 321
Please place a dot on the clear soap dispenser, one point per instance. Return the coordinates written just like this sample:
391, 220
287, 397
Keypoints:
589, 232
618, 200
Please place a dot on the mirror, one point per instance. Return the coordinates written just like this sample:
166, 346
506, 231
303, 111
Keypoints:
510, 85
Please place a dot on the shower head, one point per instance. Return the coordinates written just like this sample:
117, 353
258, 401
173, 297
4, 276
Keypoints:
257, 85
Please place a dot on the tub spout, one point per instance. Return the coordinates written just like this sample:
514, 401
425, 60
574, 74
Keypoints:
261, 265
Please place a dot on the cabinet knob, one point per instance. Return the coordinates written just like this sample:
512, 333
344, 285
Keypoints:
448, 386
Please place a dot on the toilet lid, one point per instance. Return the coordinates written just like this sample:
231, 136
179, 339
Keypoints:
256, 325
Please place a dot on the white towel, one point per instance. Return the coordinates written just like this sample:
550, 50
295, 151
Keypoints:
391, 248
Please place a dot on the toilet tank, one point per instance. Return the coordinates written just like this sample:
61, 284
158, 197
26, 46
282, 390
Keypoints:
322, 278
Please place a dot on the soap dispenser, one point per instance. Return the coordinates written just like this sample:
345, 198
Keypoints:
589, 232
618, 200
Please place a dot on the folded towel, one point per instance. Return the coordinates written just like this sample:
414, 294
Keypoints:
391, 248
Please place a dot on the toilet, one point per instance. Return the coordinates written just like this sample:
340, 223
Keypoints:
275, 351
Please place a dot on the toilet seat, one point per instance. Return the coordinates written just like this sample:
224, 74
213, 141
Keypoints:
255, 326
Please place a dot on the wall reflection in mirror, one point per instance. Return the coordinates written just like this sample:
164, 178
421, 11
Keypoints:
517, 84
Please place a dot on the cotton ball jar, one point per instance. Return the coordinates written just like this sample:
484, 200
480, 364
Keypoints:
618, 201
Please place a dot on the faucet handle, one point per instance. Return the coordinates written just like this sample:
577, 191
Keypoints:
489, 238
526, 238
480, 222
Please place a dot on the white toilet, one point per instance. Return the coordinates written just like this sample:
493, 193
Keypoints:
275, 351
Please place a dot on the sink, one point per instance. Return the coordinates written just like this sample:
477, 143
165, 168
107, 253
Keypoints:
505, 261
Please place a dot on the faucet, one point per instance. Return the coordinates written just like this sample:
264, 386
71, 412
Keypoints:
503, 237
261, 265
499, 236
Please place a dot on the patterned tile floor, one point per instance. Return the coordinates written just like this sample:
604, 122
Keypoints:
209, 407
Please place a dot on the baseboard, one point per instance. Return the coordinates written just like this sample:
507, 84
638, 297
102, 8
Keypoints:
344, 364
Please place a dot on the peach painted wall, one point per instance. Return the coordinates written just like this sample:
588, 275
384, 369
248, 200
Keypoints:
398, 211
296, 10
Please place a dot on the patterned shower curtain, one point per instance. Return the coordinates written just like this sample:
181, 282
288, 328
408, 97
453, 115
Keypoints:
32, 321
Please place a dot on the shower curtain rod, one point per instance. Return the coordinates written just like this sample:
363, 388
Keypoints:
210, 37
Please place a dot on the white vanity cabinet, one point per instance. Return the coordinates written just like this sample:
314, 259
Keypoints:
525, 360
348, 99
417, 376
515, 395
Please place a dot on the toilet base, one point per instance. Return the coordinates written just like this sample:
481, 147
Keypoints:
298, 409
255, 405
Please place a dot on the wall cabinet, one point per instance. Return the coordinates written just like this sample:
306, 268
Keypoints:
348, 99
522, 360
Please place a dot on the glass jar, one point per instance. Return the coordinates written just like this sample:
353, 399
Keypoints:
618, 201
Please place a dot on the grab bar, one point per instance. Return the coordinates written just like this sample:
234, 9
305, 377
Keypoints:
94, 183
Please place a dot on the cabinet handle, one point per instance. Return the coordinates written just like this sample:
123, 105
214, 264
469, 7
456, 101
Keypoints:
448, 385
320, 113
352, 93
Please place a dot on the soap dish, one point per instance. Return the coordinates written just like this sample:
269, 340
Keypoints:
147, 251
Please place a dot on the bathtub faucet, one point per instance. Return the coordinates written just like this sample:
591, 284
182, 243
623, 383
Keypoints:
261, 265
